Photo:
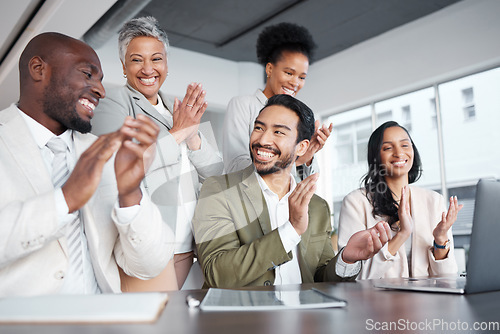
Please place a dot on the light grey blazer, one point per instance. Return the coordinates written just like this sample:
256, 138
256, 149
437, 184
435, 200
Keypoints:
33, 247
162, 179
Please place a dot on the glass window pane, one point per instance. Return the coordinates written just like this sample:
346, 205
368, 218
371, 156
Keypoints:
406, 117
344, 156
471, 118
363, 132
383, 116
433, 112
362, 151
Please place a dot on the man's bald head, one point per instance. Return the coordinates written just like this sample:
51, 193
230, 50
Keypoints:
60, 78
45, 46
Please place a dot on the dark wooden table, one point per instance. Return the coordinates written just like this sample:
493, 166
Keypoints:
369, 310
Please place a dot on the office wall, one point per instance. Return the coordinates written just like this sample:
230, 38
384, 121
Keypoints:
457, 40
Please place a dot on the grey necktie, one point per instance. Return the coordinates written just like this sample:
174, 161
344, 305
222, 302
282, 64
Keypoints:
60, 174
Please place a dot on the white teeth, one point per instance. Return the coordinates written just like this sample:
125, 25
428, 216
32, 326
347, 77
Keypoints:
265, 154
399, 163
87, 103
148, 81
288, 91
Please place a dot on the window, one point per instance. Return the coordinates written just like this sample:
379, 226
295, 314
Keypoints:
344, 156
363, 132
344, 145
352, 140
469, 108
383, 117
433, 112
468, 150
406, 117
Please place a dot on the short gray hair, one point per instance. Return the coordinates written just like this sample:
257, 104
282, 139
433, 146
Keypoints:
143, 26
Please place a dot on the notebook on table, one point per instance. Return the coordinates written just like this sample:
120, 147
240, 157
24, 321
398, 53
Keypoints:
483, 271
142, 307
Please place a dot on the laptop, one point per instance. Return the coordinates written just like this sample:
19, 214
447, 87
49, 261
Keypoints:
483, 271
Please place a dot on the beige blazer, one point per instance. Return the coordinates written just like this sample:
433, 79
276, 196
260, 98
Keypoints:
236, 246
33, 252
426, 209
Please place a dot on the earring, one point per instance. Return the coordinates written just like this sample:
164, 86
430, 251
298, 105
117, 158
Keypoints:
125, 76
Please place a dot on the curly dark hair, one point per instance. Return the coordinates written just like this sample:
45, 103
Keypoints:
275, 39
377, 190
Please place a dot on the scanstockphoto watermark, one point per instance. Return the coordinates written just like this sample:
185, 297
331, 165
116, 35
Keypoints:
431, 325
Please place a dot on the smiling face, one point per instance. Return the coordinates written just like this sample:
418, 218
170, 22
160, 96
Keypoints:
273, 142
287, 75
146, 66
73, 88
396, 153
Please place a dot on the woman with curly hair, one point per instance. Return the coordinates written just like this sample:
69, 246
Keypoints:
422, 242
285, 49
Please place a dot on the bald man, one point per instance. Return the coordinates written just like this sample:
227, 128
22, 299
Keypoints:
70, 216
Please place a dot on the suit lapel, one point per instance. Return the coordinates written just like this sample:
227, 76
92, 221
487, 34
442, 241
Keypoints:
304, 239
146, 107
24, 150
302, 250
255, 202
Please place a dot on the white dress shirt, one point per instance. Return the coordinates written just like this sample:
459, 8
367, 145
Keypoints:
41, 136
186, 195
288, 272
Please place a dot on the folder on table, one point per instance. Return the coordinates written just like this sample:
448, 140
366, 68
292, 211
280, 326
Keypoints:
103, 308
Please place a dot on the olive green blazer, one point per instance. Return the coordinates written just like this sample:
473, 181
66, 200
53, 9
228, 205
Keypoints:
235, 243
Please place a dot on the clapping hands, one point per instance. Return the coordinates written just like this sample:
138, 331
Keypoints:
318, 140
440, 233
365, 244
187, 115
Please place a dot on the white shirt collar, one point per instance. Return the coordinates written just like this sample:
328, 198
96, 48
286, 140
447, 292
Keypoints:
261, 96
42, 135
263, 185
160, 107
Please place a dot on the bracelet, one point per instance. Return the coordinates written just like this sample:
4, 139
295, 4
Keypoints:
445, 246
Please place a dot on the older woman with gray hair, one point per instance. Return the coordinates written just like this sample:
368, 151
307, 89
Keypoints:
184, 157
